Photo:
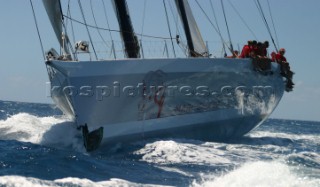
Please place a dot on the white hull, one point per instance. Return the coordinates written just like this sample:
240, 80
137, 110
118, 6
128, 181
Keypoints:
200, 98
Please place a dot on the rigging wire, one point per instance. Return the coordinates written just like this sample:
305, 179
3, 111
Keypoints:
95, 22
36, 23
65, 38
106, 16
216, 20
114, 30
244, 22
71, 22
274, 28
143, 18
84, 19
265, 23
214, 15
215, 28
175, 18
72, 29
165, 8
225, 19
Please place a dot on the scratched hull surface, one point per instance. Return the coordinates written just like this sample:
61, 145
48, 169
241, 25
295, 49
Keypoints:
133, 99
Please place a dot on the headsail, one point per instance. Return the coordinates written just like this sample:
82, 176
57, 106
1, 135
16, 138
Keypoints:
127, 33
196, 44
53, 9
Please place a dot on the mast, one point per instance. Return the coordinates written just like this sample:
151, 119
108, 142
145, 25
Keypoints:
184, 19
126, 29
195, 42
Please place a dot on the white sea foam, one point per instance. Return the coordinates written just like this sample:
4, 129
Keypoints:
40, 130
293, 137
262, 174
18, 181
168, 152
205, 153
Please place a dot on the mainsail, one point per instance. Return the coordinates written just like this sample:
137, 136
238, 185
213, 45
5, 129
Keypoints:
127, 33
195, 42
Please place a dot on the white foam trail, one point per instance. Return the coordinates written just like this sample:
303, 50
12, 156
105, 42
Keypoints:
40, 130
18, 181
294, 137
262, 174
168, 152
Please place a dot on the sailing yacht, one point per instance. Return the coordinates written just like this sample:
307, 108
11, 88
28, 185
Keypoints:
134, 98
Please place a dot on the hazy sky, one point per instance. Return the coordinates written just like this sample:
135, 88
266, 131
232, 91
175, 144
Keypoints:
23, 74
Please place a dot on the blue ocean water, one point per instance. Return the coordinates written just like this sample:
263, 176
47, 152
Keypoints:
40, 147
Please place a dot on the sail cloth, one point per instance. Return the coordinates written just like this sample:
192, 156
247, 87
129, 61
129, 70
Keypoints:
53, 9
191, 24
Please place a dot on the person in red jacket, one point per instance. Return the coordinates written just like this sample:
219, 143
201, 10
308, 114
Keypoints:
285, 68
273, 56
280, 56
259, 50
254, 49
246, 50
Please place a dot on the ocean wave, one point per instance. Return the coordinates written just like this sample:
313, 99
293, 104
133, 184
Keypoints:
288, 137
175, 151
306, 159
56, 131
263, 174
18, 181
266, 157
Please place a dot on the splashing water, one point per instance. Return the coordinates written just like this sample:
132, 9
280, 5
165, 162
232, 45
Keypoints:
39, 149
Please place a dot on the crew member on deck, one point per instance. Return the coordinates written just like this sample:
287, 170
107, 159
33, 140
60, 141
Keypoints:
259, 50
254, 49
265, 47
285, 68
280, 56
246, 50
